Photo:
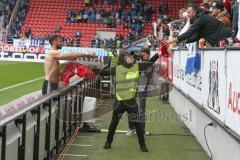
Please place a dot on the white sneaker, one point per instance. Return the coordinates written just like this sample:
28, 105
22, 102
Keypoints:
131, 132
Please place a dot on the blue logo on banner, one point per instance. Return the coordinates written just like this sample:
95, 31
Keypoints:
194, 60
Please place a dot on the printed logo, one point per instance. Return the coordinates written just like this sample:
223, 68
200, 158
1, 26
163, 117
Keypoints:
213, 95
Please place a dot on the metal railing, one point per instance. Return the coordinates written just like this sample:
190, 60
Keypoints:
61, 109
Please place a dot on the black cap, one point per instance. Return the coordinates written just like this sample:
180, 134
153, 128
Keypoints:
218, 5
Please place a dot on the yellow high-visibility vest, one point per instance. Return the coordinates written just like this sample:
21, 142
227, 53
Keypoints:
114, 61
126, 82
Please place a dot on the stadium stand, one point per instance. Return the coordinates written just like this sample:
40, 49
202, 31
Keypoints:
44, 16
6, 9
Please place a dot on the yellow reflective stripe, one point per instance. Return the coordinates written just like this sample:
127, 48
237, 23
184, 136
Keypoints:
126, 82
110, 54
118, 96
132, 75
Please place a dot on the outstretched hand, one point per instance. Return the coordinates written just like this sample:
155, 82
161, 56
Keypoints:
168, 42
165, 43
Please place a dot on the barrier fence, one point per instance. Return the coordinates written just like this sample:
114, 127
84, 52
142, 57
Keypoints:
40, 129
215, 87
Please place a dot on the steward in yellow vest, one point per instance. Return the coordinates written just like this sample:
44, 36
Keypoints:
127, 76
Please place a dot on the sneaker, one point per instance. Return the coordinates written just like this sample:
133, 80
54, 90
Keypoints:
131, 132
107, 145
143, 148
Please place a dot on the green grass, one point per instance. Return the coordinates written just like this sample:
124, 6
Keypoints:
170, 140
13, 73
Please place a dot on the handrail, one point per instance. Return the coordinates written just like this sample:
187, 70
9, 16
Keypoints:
5, 120
44, 106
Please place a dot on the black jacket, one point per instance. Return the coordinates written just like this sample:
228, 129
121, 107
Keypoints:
205, 26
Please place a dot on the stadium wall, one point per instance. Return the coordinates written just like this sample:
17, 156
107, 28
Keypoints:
222, 144
211, 94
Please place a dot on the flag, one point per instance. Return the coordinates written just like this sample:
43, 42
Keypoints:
74, 68
193, 64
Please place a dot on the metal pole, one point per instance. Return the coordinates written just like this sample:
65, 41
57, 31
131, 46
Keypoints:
23, 143
64, 120
70, 111
57, 124
48, 130
36, 136
4, 140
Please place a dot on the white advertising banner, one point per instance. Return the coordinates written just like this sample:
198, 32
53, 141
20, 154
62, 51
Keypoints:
179, 62
190, 84
233, 91
214, 83
176, 69
216, 86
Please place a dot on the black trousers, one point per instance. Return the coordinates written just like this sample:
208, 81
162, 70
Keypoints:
118, 111
142, 114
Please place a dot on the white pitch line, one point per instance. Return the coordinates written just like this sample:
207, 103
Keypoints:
80, 145
19, 84
73, 155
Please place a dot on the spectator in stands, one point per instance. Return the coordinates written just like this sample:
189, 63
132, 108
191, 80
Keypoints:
78, 34
37, 41
93, 16
69, 13
220, 14
93, 43
105, 2
165, 8
98, 18
16, 23
58, 29
78, 42
46, 36
106, 20
86, 3
227, 5
182, 17
203, 26
90, 3
42, 42
206, 4
9, 39
71, 41
162, 29
149, 13
85, 16
72, 19
99, 43
123, 3
3, 37
28, 32
130, 37
6, 10
160, 10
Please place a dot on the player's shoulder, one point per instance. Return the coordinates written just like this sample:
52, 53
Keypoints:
52, 51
